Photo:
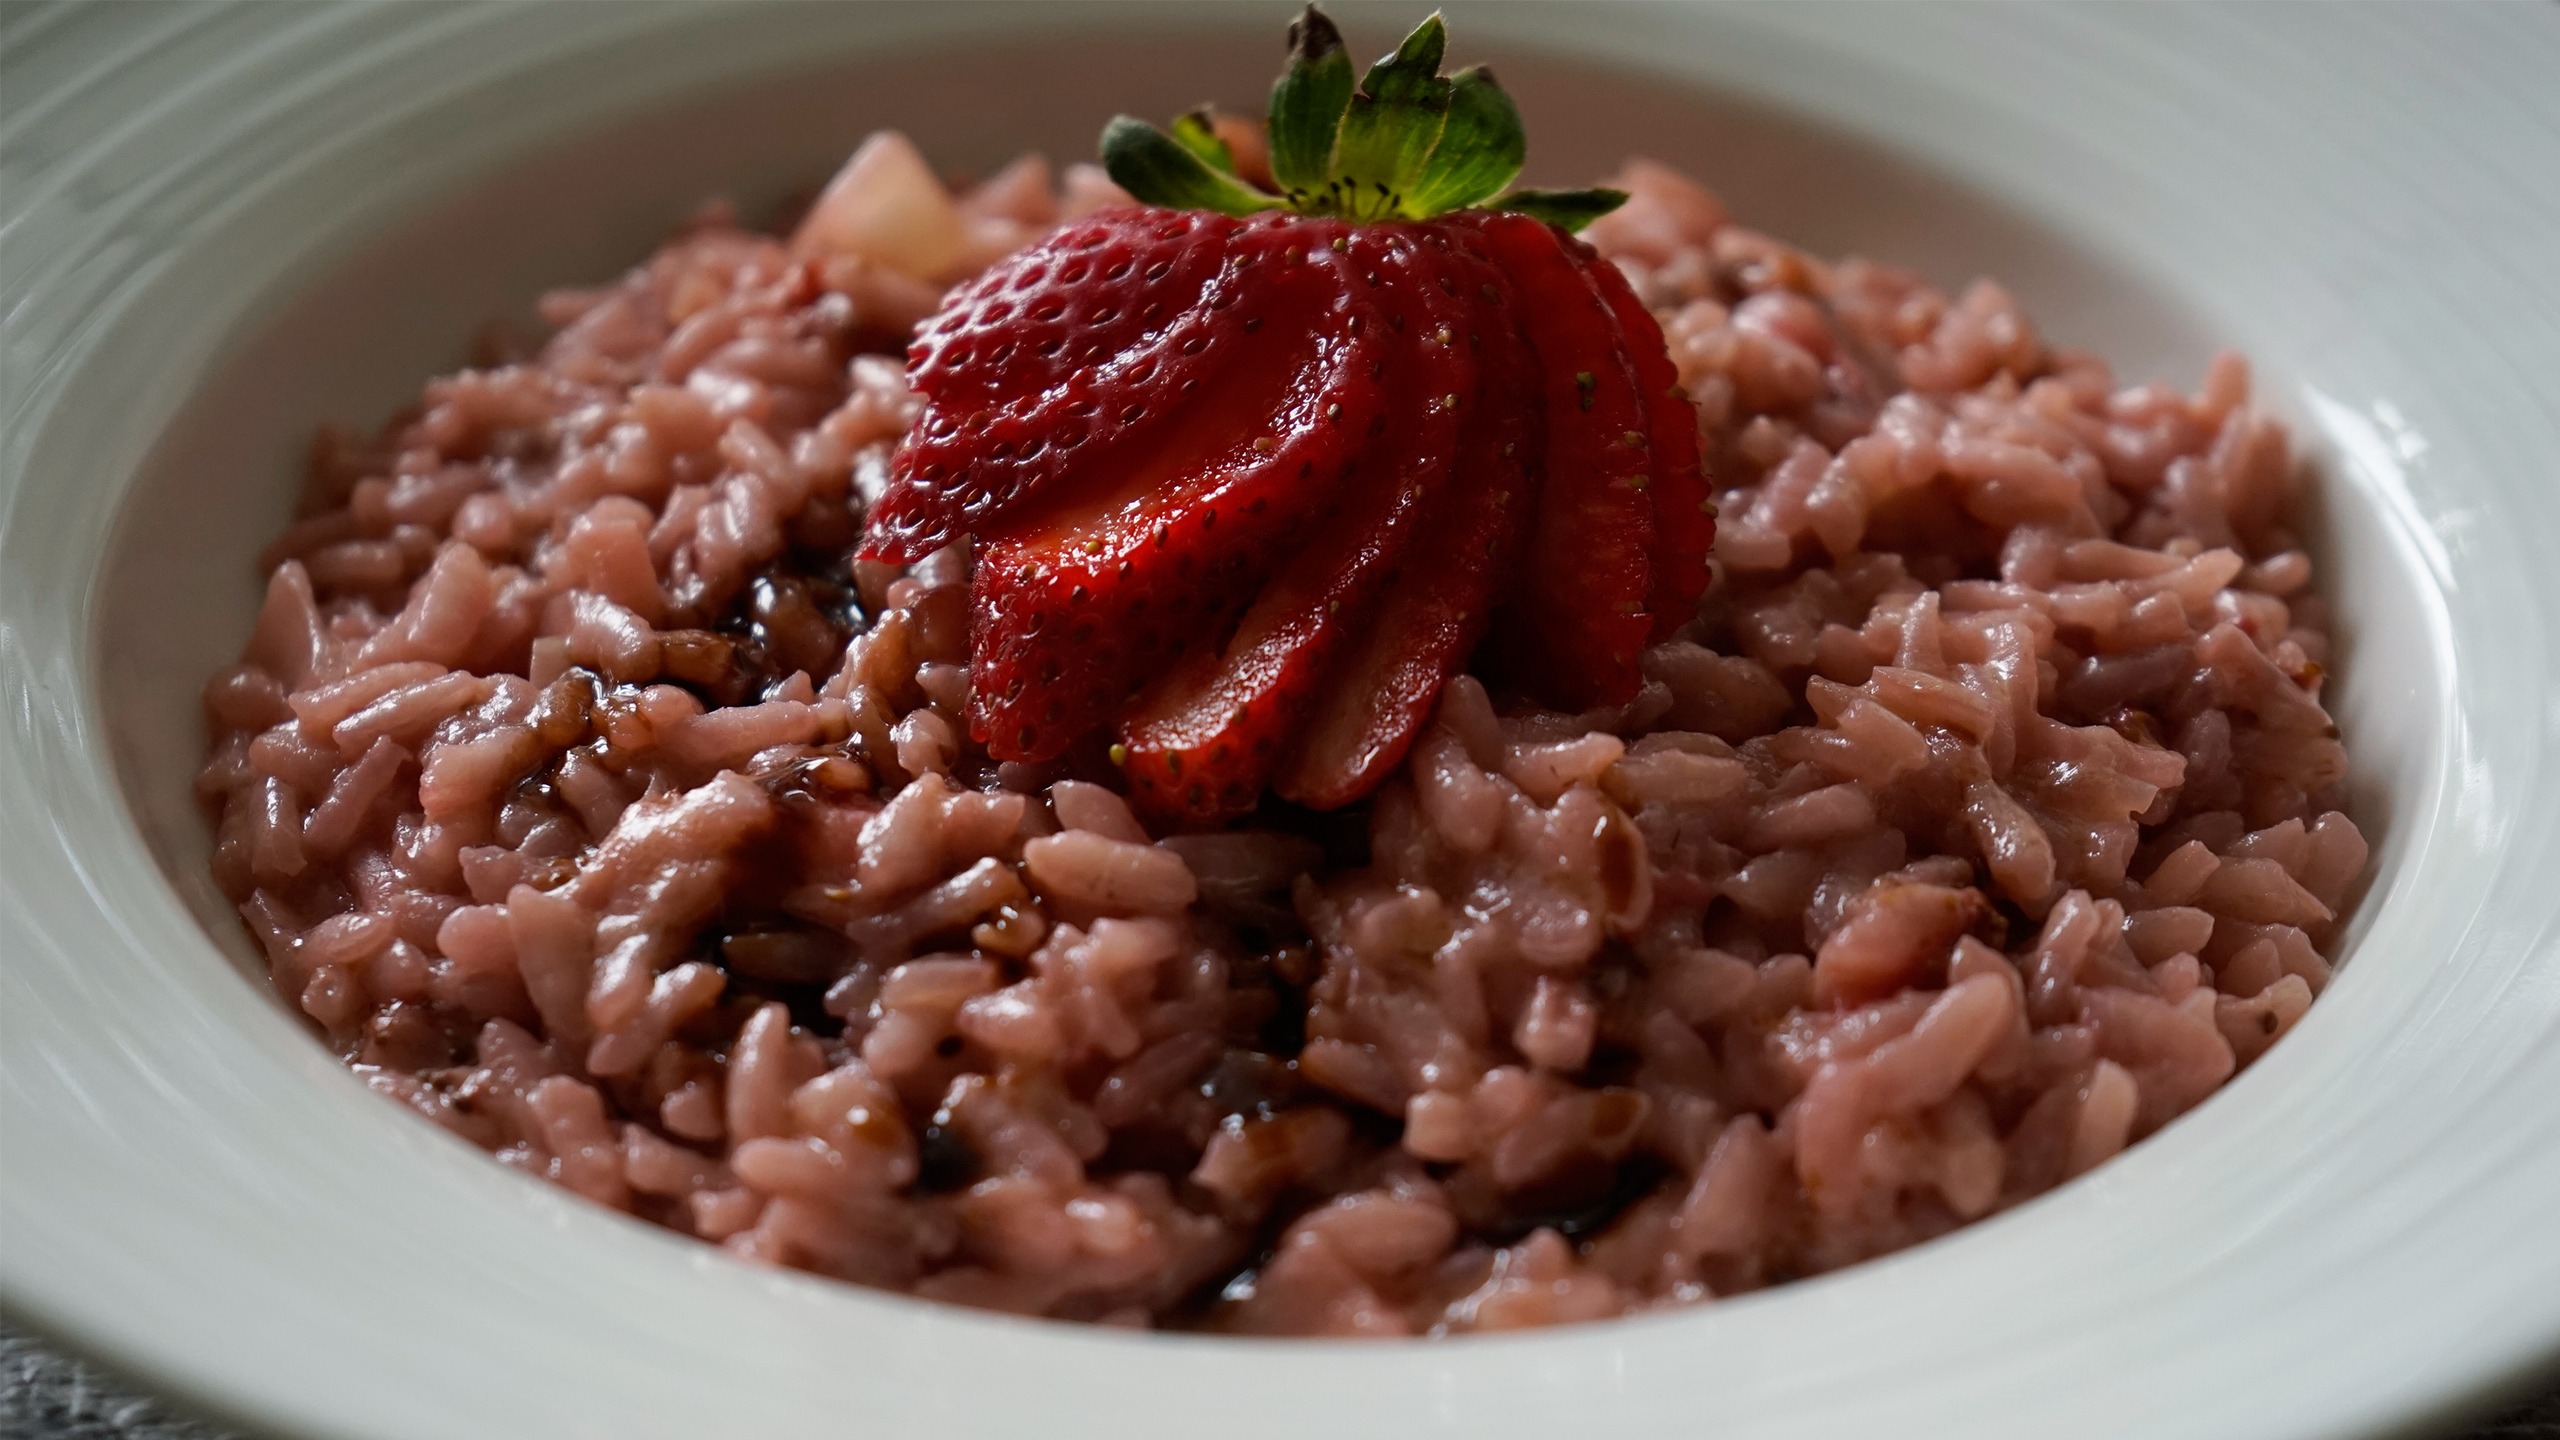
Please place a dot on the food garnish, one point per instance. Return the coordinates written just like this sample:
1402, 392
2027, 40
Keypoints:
1250, 473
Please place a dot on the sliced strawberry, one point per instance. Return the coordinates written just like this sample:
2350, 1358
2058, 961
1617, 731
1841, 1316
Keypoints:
1124, 321
1250, 475
1203, 742
1107, 581
1431, 617
1575, 630
1684, 512
1074, 301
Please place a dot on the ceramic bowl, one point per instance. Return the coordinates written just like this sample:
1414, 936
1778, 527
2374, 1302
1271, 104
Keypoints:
223, 225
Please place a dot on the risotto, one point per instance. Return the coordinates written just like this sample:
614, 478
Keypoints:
593, 801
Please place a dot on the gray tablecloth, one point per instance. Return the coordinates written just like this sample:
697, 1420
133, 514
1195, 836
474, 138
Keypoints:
47, 1396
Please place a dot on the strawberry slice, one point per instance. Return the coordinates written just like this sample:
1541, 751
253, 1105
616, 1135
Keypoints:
1438, 606
1203, 742
1684, 511
1074, 301
1100, 586
1577, 627
1063, 361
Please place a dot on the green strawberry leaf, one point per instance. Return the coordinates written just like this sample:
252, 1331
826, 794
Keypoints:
1413, 70
1156, 169
1482, 146
1564, 209
1406, 142
1193, 131
1393, 124
1307, 105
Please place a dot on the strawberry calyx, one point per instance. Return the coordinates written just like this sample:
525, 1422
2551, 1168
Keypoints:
1405, 143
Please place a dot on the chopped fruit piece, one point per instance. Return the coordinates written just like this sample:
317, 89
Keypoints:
1684, 512
1577, 624
887, 206
1203, 742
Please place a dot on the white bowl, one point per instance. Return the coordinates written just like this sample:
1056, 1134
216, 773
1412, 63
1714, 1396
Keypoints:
222, 225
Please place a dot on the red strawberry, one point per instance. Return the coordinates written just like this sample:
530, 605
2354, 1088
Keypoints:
1433, 615
1249, 486
1069, 304
1203, 742
1578, 625
1087, 591
1684, 513
1054, 363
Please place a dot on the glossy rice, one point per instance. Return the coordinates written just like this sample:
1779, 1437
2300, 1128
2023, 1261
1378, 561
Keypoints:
590, 803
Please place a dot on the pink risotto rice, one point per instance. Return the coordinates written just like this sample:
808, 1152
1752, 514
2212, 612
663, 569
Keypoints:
593, 805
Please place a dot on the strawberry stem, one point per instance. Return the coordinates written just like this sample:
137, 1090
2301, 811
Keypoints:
1405, 143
